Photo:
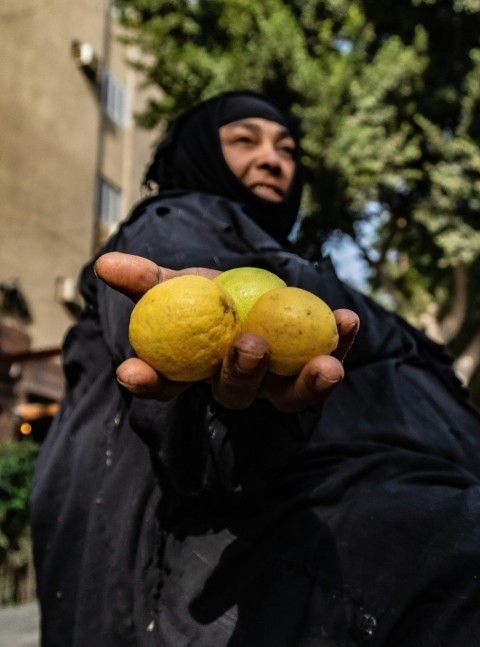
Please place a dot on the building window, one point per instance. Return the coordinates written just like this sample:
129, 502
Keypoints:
114, 99
108, 204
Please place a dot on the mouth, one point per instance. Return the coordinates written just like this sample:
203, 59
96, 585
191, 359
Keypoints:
267, 192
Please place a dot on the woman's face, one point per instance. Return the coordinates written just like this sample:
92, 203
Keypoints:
261, 153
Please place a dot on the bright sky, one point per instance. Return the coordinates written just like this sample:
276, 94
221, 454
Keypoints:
347, 260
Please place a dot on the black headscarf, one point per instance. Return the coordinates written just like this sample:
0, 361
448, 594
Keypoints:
190, 157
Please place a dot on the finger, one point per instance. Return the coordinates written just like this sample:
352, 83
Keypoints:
242, 372
134, 275
310, 388
348, 324
144, 382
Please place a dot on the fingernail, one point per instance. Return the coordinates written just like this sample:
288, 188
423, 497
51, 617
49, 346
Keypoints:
323, 378
246, 362
133, 388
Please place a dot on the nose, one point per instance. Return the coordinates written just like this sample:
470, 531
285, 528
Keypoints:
268, 157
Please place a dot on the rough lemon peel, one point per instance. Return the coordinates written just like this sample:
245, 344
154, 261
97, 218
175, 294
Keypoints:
296, 324
183, 327
246, 284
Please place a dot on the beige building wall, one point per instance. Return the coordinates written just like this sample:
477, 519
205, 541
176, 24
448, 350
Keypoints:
54, 142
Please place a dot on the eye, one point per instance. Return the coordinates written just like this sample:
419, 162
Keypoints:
287, 151
244, 138
287, 147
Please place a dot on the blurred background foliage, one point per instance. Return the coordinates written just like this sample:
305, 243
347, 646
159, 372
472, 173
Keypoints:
387, 98
17, 465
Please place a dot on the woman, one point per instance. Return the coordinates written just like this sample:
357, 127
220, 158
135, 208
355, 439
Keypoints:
204, 515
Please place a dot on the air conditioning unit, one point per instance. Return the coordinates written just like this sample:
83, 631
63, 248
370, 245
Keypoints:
66, 293
66, 290
85, 57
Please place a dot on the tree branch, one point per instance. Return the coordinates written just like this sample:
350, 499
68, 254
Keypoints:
450, 324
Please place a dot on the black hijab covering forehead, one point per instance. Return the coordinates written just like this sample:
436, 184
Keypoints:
190, 157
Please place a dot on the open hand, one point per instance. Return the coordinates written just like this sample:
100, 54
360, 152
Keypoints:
244, 374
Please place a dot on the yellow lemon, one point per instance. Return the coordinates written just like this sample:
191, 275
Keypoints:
183, 327
246, 285
297, 325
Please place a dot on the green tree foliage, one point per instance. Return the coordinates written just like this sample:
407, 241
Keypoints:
387, 97
17, 464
